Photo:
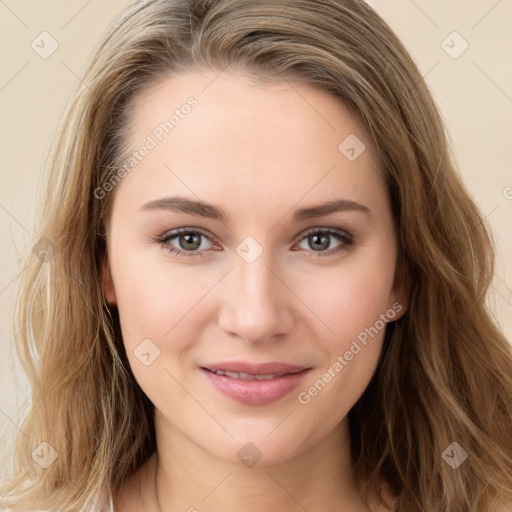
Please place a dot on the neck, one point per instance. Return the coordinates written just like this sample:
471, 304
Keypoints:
180, 475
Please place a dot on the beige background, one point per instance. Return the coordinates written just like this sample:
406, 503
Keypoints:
473, 91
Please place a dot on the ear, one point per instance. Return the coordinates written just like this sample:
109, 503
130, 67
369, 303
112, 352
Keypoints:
108, 284
400, 293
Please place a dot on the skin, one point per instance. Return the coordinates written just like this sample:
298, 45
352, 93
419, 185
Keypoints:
259, 152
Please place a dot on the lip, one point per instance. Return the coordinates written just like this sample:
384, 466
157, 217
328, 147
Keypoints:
255, 368
255, 392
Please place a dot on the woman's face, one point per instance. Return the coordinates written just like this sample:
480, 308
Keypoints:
287, 255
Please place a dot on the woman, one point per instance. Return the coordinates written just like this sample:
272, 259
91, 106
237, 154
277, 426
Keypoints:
259, 282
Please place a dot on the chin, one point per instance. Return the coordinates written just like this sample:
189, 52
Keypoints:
256, 450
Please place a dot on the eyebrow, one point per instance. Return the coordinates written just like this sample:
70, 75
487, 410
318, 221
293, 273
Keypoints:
202, 209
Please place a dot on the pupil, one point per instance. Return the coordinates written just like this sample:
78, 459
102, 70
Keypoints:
189, 239
318, 239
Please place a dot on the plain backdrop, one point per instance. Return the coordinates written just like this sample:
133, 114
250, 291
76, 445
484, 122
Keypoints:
462, 48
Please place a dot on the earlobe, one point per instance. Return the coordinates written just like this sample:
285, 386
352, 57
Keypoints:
108, 284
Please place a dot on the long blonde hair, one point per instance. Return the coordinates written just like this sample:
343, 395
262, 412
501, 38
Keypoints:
445, 373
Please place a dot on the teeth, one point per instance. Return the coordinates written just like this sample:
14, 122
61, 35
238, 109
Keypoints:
248, 376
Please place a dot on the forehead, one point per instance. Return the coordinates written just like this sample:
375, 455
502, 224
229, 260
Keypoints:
233, 105
275, 136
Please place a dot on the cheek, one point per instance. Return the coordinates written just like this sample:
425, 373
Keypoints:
154, 300
350, 298
351, 307
157, 304
160, 318
350, 303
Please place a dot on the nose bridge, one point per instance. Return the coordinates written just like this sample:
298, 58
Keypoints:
255, 305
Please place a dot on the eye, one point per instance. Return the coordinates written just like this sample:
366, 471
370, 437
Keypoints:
320, 240
188, 242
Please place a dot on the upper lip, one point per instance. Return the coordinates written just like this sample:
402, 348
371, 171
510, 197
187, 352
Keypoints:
255, 368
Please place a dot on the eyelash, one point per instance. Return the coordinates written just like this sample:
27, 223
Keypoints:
341, 236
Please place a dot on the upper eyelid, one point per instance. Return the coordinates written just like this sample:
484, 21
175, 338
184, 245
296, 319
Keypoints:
176, 232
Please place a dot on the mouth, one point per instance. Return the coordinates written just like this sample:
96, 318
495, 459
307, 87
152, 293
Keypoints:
255, 384
250, 376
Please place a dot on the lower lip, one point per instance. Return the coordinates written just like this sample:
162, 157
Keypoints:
256, 392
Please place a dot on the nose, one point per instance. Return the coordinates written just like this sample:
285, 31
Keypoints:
256, 303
